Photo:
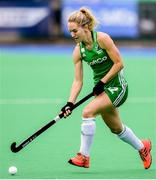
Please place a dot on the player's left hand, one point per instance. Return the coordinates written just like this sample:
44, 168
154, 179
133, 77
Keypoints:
67, 109
98, 88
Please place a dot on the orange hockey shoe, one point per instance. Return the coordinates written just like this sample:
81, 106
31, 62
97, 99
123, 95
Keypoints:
80, 160
145, 153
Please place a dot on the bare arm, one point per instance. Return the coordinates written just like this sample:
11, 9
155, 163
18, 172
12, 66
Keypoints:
107, 43
78, 75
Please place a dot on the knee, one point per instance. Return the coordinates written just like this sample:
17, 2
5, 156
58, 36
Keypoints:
116, 130
88, 127
87, 112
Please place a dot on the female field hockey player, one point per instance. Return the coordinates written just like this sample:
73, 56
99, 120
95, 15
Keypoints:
110, 90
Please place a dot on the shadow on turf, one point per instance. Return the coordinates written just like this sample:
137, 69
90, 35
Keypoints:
116, 174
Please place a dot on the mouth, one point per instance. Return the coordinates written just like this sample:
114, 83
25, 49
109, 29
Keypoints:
76, 39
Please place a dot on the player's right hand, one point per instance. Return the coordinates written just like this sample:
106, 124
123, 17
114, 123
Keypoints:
67, 109
98, 88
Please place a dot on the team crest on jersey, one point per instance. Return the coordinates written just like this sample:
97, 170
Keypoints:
98, 50
83, 55
83, 52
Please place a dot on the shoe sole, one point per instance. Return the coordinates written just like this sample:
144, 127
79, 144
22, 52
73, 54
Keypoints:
70, 162
150, 154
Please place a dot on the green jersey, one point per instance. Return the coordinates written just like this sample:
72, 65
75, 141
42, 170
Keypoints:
99, 61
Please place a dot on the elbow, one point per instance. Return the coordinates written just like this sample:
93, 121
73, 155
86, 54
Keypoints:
79, 83
121, 66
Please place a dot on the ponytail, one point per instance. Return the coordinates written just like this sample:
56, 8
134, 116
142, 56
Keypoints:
84, 17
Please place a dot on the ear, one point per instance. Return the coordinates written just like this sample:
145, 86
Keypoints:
86, 27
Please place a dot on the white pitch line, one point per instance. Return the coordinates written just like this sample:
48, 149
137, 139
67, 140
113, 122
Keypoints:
141, 100
31, 101
132, 100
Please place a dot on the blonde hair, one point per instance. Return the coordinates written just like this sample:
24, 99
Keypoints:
84, 17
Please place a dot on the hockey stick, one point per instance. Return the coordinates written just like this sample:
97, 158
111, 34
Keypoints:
16, 149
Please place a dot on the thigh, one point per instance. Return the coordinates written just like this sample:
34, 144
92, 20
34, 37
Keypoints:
101, 103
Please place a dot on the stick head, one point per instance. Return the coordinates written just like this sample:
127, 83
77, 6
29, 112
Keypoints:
13, 147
